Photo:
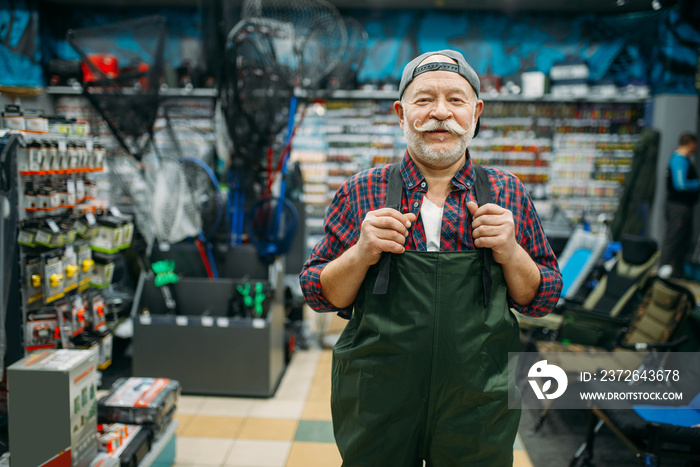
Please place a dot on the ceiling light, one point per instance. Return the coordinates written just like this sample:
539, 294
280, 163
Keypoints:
620, 2
655, 4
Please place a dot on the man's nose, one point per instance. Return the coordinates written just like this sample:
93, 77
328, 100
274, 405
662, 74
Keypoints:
440, 110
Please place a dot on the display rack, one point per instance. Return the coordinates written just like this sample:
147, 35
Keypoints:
165, 92
67, 242
574, 154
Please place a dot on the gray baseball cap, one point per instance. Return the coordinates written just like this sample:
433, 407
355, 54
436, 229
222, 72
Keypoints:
413, 69
462, 67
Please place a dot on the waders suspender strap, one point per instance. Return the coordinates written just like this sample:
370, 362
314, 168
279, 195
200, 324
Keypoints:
393, 200
483, 196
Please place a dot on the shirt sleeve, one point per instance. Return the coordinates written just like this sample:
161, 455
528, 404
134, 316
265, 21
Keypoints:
533, 239
678, 166
339, 235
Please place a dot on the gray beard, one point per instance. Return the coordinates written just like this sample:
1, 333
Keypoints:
439, 157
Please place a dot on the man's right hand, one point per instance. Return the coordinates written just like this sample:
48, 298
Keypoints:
383, 230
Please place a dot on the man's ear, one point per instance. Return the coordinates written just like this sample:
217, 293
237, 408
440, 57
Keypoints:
479, 108
398, 108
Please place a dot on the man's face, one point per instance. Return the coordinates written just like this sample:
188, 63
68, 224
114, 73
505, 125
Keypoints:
438, 115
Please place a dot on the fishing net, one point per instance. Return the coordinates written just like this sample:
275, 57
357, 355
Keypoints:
173, 208
255, 95
206, 195
156, 191
344, 74
131, 192
122, 69
273, 224
317, 38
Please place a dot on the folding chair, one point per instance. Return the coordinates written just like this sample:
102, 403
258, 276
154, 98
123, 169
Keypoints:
615, 289
656, 325
582, 252
650, 442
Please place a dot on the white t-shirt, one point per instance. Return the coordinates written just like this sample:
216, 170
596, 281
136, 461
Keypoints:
432, 222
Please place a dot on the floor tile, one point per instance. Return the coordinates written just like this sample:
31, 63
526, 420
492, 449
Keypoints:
321, 380
183, 421
268, 429
308, 356
296, 389
272, 408
313, 455
315, 431
305, 361
207, 426
202, 452
317, 410
226, 406
318, 405
320, 391
521, 459
518, 444
189, 404
258, 453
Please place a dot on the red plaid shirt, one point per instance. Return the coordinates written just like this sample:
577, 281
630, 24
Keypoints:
365, 192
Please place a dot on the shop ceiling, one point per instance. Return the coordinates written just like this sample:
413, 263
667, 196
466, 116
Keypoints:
600, 6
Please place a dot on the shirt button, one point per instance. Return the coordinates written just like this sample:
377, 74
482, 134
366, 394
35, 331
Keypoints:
415, 204
423, 185
410, 184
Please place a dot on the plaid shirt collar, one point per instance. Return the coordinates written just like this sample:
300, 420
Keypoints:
413, 178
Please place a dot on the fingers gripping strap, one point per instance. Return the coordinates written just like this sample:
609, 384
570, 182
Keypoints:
483, 196
393, 200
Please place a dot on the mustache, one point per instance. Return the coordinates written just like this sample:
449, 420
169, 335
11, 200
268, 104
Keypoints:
433, 124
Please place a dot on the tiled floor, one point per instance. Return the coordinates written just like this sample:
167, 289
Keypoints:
292, 429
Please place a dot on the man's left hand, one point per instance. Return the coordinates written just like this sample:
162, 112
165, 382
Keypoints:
493, 227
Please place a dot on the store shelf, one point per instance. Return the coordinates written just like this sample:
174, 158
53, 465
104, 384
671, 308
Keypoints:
494, 5
162, 451
168, 92
392, 94
361, 94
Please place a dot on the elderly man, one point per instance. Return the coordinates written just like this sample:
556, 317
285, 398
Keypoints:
426, 258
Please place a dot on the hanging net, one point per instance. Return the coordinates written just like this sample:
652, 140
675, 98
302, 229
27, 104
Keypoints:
317, 38
255, 95
122, 69
344, 74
